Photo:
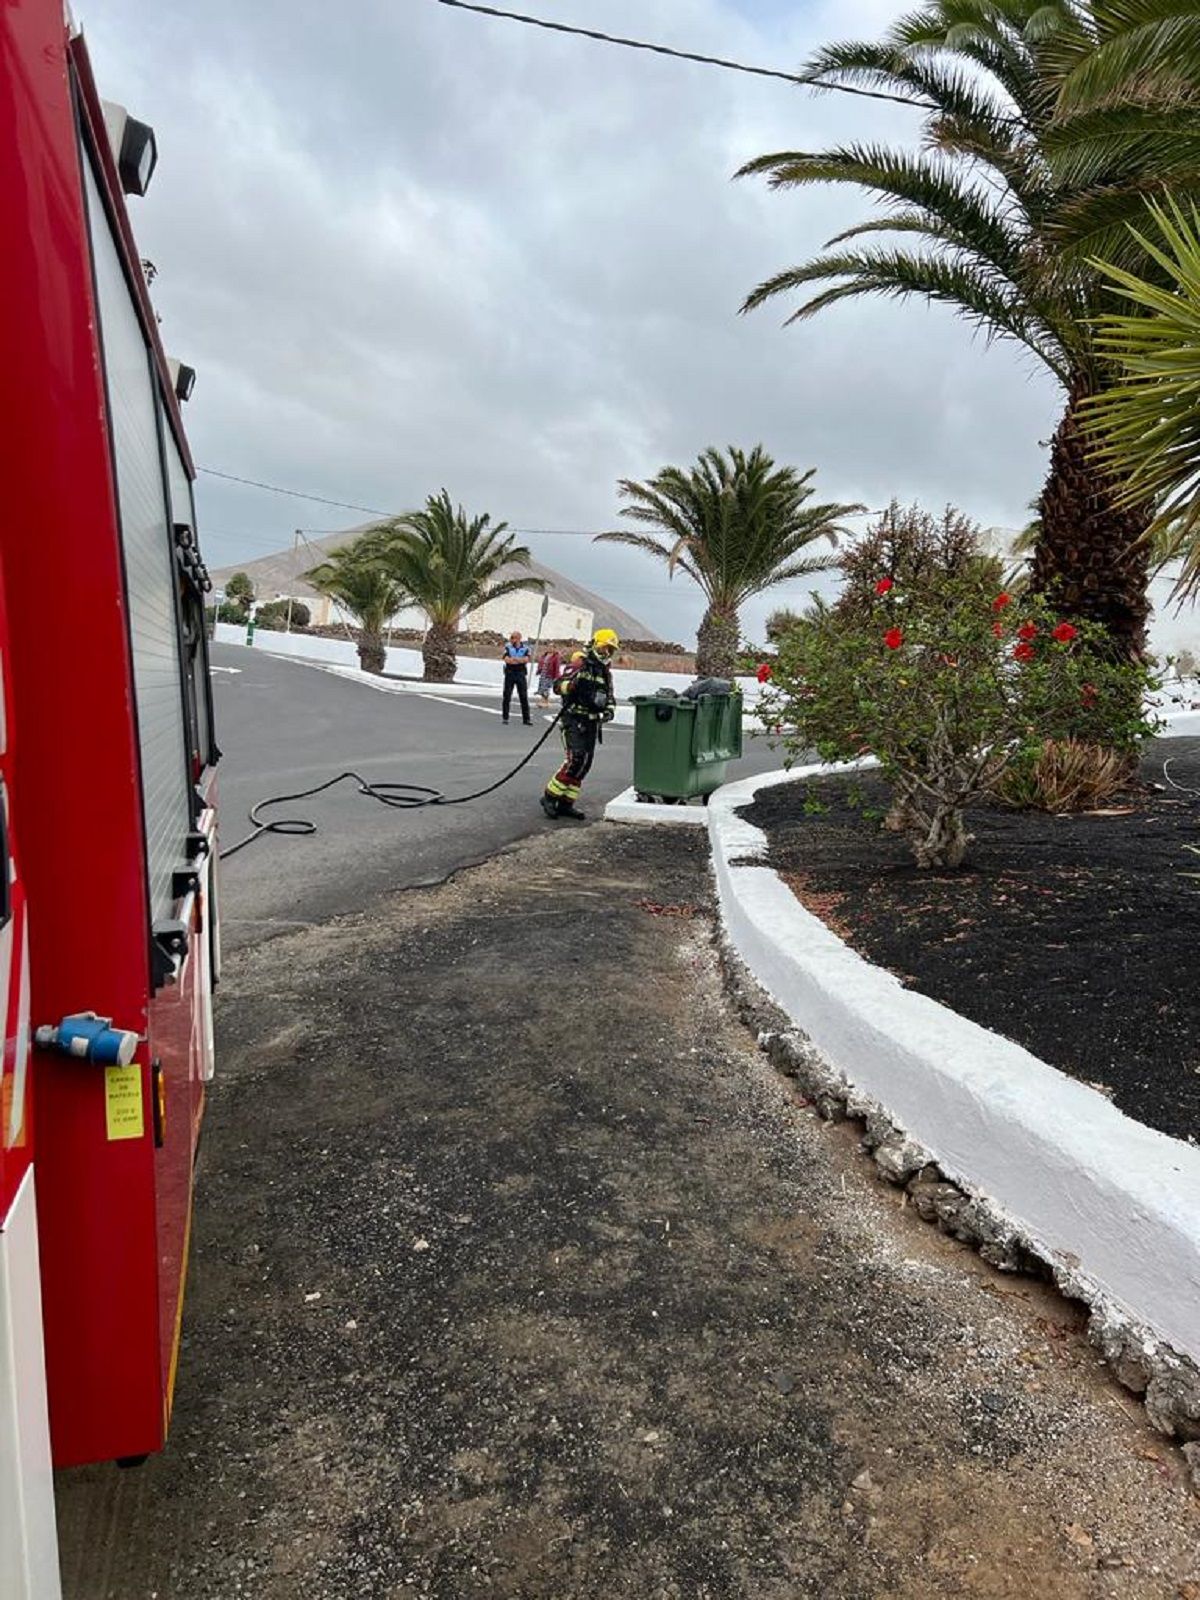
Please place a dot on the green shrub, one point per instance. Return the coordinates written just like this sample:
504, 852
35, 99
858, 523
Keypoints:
275, 615
949, 685
915, 549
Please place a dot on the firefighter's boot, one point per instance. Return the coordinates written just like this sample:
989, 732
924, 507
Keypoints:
568, 808
550, 806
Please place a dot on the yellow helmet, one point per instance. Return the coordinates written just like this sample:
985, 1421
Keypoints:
605, 642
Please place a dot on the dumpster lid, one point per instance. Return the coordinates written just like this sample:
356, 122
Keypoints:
701, 686
652, 699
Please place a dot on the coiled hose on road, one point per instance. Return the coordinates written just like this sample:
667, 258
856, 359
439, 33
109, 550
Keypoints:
399, 796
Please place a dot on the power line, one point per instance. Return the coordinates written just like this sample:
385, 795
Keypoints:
682, 55
296, 494
351, 505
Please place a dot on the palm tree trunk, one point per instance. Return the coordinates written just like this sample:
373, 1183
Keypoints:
717, 643
371, 652
440, 651
1088, 560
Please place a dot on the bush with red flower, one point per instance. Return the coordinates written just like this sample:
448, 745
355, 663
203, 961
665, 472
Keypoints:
953, 685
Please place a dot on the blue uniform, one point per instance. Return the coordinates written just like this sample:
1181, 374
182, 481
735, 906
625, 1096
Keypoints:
516, 676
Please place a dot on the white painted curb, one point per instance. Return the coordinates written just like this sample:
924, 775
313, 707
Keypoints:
1116, 1203
626, 807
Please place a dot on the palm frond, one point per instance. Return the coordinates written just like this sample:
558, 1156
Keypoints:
1155, 53
1112, 143
1147, 424
925, 184
732, 522
447, 560
654, 547
991, 304
355, 576
1048, 124
951, 90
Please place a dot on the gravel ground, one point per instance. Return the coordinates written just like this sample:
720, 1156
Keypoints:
519, 1274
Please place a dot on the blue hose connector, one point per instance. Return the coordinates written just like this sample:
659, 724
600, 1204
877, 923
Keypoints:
88, 1037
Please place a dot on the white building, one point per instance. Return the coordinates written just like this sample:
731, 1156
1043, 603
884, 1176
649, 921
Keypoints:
520, 610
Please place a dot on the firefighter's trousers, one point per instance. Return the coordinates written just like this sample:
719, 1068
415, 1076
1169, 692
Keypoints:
579, 736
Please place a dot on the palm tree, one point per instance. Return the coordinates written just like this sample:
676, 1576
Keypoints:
736, 524
1046, 125
450, 565
1148, 424
353, 576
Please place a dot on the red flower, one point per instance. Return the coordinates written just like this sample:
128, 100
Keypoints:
1024, 652
1027, 630
894, 638
884, 585
1002, 599
764, 671
998, 629
1064, 633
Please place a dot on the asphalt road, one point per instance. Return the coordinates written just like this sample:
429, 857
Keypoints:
286, 726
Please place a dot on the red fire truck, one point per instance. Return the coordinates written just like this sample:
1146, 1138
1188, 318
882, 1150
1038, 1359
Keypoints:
108, 931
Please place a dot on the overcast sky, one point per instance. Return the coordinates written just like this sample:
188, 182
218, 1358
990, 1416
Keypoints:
405, 246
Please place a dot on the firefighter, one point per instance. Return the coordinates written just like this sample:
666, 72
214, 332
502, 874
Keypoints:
587, 702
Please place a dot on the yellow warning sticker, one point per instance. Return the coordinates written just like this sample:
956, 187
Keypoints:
123, 1102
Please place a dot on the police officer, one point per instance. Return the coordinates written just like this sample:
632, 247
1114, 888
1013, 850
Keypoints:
587, 701
516, 674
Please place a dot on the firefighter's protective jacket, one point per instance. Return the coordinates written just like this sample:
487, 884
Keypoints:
587, 690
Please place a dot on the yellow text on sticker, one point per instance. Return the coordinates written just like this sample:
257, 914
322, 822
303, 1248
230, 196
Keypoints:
123, 1108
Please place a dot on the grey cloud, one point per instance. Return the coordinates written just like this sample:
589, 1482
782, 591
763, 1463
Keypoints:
405, 247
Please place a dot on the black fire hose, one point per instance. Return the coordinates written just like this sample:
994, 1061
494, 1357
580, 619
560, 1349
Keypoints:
399, 796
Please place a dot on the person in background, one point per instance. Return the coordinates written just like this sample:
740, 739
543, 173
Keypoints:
516, 674
587, 702
549, 670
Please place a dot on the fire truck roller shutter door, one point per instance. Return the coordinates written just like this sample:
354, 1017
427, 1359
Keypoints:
147, 545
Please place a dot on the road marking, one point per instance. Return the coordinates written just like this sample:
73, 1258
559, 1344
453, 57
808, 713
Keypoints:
234, 670
445, 700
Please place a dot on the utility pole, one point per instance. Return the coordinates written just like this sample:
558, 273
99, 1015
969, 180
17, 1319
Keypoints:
541, 624
287, 626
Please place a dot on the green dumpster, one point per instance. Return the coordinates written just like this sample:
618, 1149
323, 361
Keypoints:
682, 744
